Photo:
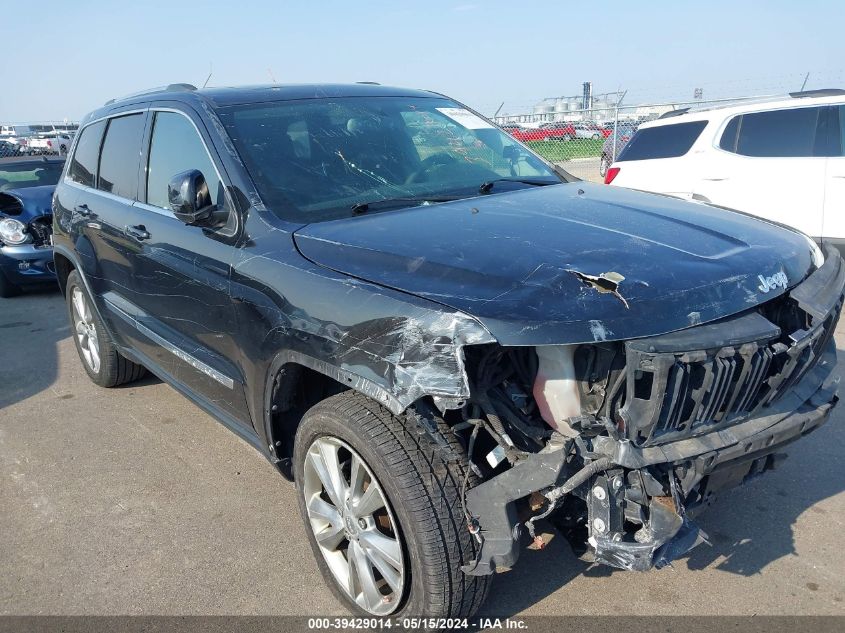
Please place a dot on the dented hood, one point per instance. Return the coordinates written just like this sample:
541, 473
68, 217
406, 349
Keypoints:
569, 263
34, 201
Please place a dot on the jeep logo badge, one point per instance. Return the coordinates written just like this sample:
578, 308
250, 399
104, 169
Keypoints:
770, 283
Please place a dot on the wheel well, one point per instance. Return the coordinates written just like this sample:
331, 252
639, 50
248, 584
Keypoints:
63, 268
295, 389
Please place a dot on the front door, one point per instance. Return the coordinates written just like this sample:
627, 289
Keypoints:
183, 308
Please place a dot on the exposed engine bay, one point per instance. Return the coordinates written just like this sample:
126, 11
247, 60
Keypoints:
620, 444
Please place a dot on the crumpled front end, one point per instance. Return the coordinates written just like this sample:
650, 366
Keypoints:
662, 424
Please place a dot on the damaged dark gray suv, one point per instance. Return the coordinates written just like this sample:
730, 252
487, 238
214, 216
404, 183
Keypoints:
437, 335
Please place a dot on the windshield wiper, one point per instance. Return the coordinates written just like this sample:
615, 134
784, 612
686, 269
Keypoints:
362, 207
486, 187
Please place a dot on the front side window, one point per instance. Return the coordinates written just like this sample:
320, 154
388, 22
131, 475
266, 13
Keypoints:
176, 147
317, 159
120, 156
83, 165
778, 133
662, 141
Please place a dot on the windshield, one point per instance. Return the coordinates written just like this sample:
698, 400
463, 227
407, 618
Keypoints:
29, 174
317, 159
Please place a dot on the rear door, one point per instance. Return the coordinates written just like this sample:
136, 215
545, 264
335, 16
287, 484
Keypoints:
182, 306
770, 164
834, 200
105, 170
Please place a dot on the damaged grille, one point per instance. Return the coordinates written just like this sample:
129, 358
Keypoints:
41, 229
712, 376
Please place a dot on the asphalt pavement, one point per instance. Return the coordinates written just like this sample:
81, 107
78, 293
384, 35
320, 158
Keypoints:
134, 501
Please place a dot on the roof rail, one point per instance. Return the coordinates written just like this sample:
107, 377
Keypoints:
821, 92
368, 83
672, 113
150, 91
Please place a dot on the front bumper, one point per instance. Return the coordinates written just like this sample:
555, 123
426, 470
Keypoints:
661, 486
27, 264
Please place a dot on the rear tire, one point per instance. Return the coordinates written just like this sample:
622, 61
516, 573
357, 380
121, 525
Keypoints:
422, 489
604, 164
7, 288
98, 353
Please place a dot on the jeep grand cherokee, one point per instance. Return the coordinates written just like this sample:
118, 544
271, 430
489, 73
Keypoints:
438, 336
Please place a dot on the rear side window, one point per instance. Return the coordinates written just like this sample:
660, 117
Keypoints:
663, 141
83, 165
778, 133
176, 147
120, 156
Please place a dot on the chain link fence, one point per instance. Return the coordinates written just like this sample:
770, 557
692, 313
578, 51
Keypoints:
585, 141
44, 137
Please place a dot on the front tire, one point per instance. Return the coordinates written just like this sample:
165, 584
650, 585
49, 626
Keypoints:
408, 544
98, 353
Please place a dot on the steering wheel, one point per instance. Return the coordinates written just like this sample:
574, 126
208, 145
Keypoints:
435, 160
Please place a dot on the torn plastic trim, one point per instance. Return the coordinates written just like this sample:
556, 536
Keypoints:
817, 295
665, 535
491, 504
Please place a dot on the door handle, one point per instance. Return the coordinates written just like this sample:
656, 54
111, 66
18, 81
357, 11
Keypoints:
139, 232
83, 210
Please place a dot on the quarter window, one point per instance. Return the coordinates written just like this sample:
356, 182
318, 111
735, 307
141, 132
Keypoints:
176, 147
83, 165
728, 140
120, 156
663, 141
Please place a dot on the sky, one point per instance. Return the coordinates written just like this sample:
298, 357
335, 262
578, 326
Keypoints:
481, 53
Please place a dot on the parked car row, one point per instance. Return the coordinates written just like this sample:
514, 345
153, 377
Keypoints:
560, 130
37, 143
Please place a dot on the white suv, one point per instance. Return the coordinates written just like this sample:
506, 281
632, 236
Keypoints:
781, 159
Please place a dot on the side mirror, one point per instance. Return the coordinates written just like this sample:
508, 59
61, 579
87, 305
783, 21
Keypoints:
189, 197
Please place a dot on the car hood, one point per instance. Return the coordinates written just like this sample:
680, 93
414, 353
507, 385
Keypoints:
569, 263
32, 202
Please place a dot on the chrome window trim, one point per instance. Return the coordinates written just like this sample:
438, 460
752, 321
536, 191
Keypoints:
141, 205
110, 196
72, 152
178, 352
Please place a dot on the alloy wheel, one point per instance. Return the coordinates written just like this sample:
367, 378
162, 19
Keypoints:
354, 526
86, 331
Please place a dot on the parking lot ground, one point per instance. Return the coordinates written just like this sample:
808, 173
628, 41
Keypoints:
583, 168
134, 501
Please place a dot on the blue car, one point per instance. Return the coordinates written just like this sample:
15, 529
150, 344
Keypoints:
26, 221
